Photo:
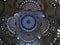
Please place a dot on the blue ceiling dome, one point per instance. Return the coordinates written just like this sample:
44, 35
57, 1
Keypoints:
28, 23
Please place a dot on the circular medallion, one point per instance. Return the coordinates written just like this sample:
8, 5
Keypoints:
28, 23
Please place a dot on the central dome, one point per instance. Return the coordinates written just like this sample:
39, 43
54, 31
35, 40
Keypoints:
28, 23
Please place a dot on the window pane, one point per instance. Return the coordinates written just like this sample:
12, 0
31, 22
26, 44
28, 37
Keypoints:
28, 43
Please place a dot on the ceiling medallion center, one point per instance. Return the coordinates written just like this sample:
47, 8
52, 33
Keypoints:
28, 23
